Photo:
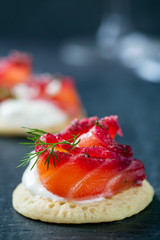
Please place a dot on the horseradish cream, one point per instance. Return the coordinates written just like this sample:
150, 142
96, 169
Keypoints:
32, 183
28, 113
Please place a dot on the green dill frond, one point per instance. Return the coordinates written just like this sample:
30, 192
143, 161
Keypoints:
34, 137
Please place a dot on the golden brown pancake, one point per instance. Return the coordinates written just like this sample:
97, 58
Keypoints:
120, 206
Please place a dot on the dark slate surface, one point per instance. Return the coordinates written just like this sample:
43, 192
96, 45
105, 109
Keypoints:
105, 88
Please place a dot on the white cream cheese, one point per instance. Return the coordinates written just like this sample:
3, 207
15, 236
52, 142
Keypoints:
24, 91
34, 114
53, 87
32, 183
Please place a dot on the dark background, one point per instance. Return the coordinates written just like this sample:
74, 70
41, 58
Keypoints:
40, 27
55, 20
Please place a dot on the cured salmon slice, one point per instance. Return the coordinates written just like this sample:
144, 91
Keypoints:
109, 179
100, 136
97, 167
68, 98
14, 69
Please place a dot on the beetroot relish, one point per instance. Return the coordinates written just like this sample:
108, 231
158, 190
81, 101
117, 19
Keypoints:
97, 167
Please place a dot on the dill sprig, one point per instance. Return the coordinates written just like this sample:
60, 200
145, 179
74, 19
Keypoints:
96, 123
35, 135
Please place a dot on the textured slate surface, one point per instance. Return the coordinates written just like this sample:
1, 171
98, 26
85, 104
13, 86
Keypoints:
105, 89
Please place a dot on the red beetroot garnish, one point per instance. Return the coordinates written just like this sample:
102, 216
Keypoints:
99, 136
113, 126
77, 127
